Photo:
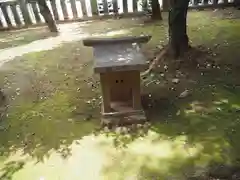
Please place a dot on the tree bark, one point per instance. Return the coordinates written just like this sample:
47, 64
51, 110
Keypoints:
215, 2
205, 2
165, 5
177, 20
237, 4
156, 12
46, 13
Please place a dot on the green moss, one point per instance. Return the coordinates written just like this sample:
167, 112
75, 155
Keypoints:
54, 106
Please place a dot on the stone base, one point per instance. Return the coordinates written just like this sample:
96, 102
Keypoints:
123, 119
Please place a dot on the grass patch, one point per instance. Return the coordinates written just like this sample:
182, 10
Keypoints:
53, 94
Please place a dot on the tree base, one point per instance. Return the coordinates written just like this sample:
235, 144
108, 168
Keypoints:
163, 52
166, 53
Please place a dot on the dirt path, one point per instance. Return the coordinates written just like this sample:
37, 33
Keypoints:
68, 33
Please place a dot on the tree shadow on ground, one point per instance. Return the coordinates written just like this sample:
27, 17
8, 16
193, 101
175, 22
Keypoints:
200, 99
197, 100
10, 168
52, 102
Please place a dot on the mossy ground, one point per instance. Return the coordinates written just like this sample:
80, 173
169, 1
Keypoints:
53, 110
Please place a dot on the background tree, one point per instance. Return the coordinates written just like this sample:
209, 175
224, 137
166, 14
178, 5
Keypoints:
237, 4
152, 8
156, 11
46, 13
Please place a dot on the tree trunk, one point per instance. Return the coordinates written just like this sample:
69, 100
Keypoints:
165, 5
205, 2
177, 20
156, 12
237, 4
45, 11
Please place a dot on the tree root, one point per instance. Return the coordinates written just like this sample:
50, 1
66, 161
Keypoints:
156, 60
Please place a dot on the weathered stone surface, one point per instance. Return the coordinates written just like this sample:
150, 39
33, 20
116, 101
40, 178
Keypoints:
118, 54
107, 41
124, 119
119, 57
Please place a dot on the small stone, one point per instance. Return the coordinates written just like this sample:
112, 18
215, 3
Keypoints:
124, 130
118, 130
70, 120
175, 80
106, 129
178, 113
133, 126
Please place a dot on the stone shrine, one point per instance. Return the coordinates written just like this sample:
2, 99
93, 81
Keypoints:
119, 62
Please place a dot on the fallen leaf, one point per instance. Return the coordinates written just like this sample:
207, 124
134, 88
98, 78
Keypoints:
184, 94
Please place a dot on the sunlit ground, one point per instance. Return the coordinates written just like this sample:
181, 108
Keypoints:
97, 158
51, 128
